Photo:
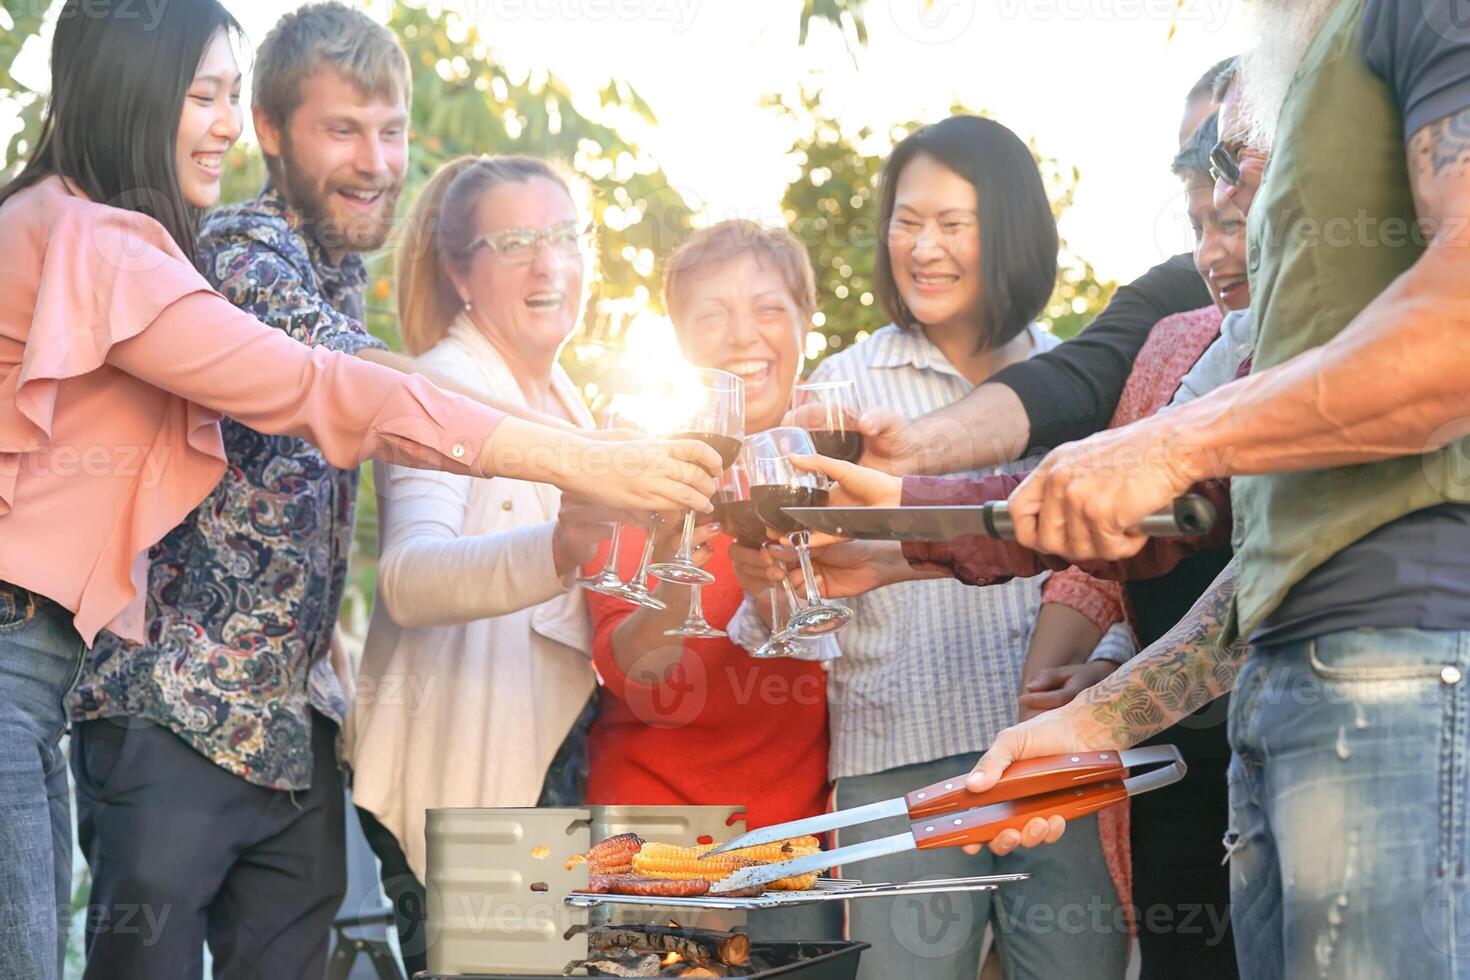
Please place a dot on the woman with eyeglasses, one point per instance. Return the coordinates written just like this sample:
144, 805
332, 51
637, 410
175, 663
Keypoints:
117, 361
479, 632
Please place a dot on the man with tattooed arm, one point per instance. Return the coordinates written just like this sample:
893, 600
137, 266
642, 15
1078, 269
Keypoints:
1344, 625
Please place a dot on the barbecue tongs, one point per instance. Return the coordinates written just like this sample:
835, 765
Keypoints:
948, 815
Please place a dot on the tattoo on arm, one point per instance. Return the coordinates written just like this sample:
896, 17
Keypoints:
1180, 672
1439, 171
1442, 145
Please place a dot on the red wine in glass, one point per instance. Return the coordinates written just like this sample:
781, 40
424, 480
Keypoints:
739, 518
727, 446
770, 499
829, 412
846, 446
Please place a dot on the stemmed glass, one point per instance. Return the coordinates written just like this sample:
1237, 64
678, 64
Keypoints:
607, 580
695, 625
781, 643
776, 483
736, 515
708, 405
618, 416
637, 591
829, 412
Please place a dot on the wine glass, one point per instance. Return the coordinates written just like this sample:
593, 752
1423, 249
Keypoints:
776, 483
607, 580
708, 405
636, 590
625, 412
829, 412
781, 643
695, 625
737, 516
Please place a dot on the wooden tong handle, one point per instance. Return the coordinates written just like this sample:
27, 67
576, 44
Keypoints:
1030, 777
984, 824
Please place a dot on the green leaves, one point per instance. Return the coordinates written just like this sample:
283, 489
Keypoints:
466, 103
845, 15
25, 19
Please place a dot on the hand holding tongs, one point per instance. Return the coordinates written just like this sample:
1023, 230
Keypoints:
949, 815
1191, 515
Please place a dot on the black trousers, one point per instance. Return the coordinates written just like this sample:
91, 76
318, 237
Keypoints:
404, 891
1180, 885
183, 852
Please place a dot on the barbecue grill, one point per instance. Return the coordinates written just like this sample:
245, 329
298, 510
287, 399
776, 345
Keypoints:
504, 902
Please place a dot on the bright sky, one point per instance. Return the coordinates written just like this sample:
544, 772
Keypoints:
1098, 83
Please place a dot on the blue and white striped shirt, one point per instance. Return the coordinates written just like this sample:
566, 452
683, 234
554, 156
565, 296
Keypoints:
932, 668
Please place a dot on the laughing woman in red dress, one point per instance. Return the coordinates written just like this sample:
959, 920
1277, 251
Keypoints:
699, 721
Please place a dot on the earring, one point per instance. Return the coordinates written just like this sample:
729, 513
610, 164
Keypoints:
468, 306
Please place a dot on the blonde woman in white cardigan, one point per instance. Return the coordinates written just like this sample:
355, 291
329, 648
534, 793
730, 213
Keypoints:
476, 678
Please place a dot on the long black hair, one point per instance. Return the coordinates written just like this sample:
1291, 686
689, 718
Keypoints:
1018, 235
119, 74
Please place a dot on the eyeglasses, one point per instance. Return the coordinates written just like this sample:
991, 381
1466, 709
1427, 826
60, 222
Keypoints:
517, 246
1223, 165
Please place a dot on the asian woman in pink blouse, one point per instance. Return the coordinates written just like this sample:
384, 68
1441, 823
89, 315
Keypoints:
117, 361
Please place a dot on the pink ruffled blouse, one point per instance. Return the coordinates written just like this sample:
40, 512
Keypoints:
118, 360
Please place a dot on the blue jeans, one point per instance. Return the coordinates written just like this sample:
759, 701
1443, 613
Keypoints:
1348, 796
1065, 921
40, 659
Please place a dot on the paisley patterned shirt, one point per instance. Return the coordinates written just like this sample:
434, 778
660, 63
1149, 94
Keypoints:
243, 596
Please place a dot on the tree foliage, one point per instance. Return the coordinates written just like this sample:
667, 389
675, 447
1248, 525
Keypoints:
25, 19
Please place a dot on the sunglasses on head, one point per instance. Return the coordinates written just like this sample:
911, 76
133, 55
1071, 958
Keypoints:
1223, 165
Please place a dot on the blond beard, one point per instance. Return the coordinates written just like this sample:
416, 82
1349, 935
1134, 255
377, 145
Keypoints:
1284, 30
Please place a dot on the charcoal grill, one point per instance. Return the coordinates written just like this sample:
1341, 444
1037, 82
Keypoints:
503, 904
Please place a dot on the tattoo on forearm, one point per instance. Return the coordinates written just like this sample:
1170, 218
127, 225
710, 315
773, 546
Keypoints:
1180, 672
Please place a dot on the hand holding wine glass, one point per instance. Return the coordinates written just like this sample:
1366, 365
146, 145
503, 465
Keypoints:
853, 485
775, 483
829, 411
619, 425
580, 526
851, 568
708, 406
